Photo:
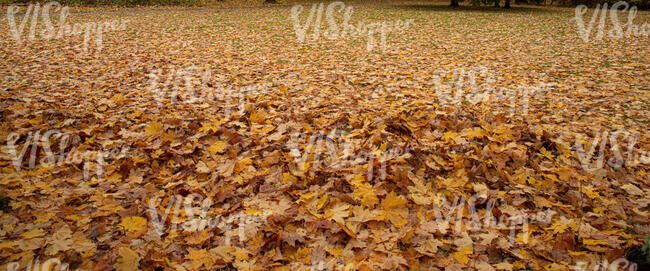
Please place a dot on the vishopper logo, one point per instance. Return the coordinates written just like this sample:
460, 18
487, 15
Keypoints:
176, 86
193, 213
617, 31
333, 32
196, 86
52, 154
444, 215
64, 30
463, 81
616, 265
338, 149
473, 85
593, 157
52, 264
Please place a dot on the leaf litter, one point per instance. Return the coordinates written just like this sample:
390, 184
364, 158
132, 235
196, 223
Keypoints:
279, 200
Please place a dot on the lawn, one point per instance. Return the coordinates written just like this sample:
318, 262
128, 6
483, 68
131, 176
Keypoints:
211, 138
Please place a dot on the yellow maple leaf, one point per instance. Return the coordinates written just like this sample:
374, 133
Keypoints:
90, 140
447, 136
226, 253
198, 258
134, 223
461, 256
114, 178
589, 191
243, 163
129, 260
207, 127
395, 209
242, 254
336, 252
474, 132
505, 132
303, 255
196, 254
562, 225
338, 212
364, 191
44, 217
420, 193
154, 127
35, 121
546, 153
136, 114
258, 116
253, 211
197, 238
217, 147
32, 233
304, 198
288, 178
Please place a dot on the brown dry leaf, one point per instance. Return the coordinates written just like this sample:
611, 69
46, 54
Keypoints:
632, 190
128, 261
61, 240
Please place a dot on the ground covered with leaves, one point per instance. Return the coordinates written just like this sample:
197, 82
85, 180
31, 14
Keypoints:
228, 143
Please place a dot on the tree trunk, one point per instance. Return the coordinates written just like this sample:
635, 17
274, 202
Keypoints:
454, 3
507, 4
496, 3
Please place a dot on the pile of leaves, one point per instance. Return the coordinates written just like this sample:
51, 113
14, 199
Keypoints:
279, 200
